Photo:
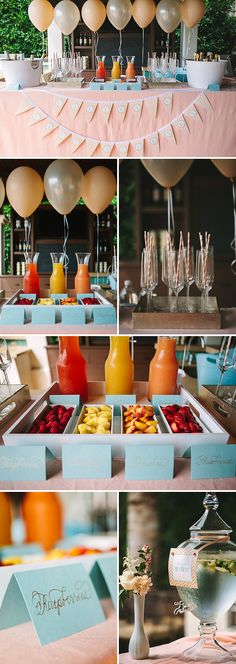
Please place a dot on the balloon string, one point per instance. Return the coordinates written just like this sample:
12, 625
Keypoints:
120, 51
96, 43
43, 42
98, 243
66, 236
27, 224
143, 44
172, 213
168, 46
168, 209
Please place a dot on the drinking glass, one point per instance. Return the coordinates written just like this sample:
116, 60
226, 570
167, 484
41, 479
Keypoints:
149, 273
204, 276
173, 273
189, 273
226, 359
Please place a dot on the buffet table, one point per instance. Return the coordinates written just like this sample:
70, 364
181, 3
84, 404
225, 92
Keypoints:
172, 652
173, 121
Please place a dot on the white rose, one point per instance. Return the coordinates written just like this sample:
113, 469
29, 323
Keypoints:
127, 580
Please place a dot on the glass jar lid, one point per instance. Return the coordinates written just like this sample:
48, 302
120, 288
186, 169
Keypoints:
210, 523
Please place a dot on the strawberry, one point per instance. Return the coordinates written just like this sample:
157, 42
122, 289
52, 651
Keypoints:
175, 427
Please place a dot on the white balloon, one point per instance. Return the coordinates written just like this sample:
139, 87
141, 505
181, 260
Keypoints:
66, 16
119, 13
168, 15
2, 193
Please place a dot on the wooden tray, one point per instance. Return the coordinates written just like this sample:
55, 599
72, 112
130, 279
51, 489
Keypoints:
160, 316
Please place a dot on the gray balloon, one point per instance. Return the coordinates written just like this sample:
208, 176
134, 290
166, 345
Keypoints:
168, 15
119, 13
63, 182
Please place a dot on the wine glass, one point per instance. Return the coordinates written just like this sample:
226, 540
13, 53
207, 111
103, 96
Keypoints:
226, 359
189, 273
149, 273
204, 276
173, 267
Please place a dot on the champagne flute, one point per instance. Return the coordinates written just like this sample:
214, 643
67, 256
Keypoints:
149, 273
175, 274
226, 359
189, 272
204, 276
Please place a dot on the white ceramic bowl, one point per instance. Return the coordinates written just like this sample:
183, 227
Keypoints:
202, 74
26, 73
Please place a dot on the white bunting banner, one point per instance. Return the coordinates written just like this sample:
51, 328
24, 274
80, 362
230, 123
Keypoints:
121, 108
138, 146
107, 148
153, 140
192, 113
137, 107
75, 107
91, 109
204, 101
37, 116
166, 101
48, 126
168, 133
180, 123
91, 146
24, 106
106, 110
59, 103
76, 142
123, 149
62, 135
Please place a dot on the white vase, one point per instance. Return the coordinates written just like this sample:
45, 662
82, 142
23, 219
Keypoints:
139, 645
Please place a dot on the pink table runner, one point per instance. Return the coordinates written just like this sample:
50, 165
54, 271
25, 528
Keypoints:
174, 122
171, 652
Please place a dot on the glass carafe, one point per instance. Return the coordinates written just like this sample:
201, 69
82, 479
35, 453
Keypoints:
82, 278
71, 368
130, 69
163, 369
119, 367
57, 279
215, 571
101, 71
116, 67
31, 284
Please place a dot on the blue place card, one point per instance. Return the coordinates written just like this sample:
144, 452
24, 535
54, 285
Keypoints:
88, 461
65, 399
149, 462
22, 462
74, 315
59, 600
104, 315
43, 315
104, 577
15, 550
13, 315
117, 400
213, 461
158, 399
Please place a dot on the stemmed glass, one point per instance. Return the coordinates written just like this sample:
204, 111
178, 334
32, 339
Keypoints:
204, 276
189, 273
226, 359
149, 273
173, 274
5, 362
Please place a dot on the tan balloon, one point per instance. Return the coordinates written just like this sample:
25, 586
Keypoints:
66, 16
2, 193
168, 15
119, 13
99, 187
24, 189
227, 167
93, 14
192, 11
167, 172
144, 12
41, 14
63, 181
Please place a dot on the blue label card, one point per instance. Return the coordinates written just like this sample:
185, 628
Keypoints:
158, 399
117, 400
23, 462
104, 577
104, 315
88, 461
20, 550
43, 315
74, 315
13, 315
213, 461
149, 462
59, 600
65, 399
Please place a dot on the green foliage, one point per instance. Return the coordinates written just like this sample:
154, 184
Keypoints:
217, 30
17, 34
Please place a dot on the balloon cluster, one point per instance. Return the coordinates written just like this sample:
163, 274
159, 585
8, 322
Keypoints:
66, 14
64, 184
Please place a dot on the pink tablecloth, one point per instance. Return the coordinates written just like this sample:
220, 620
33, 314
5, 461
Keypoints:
172, 651
96, 645
172, 122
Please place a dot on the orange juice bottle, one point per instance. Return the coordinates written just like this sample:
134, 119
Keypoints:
130, 70
116, 70
5, 520
31, 279
163, 368
119, 367
42, 514
57, 279
71, 368
82, 278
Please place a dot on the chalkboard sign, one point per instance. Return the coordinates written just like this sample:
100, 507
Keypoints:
44, 249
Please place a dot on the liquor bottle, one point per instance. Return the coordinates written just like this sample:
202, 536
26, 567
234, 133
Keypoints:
16, 245
85, 39
90, 40
81, 40
20, 246
108, 221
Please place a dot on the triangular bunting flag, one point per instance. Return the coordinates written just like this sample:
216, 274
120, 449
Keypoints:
24, 106
180, 124
107, 148
48, 126
75, 107
204, 101
76, 142
62, 135
123, 149
137, 107
37, 116
91, 108
106, 109
121, 108
166, 100
153, 140
152, 104
192, 113
59, 103
168, 133
138, 146
91, 146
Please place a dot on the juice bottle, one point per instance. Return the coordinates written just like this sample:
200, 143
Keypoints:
163, 368
5, 520
71, 368
130, 70
119, 367
82, 278
101, 71
31, 279
116, 70
42, 514
57, 279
